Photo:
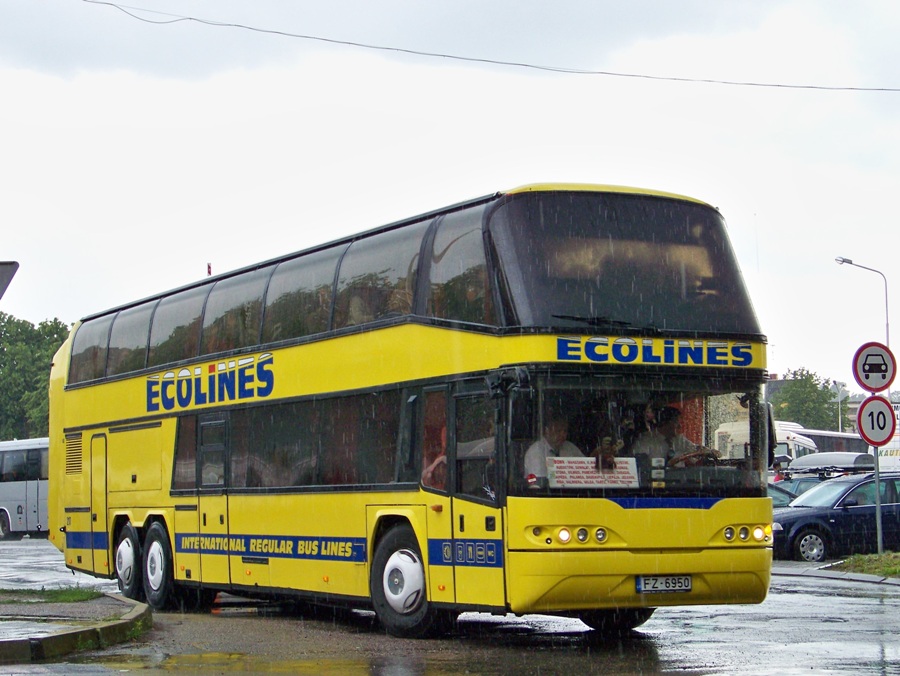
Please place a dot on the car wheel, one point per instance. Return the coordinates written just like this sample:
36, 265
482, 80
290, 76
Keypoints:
810, 545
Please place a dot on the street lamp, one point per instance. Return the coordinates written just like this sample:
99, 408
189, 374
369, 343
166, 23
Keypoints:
840, 260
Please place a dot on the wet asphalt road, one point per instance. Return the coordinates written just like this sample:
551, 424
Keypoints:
808, 626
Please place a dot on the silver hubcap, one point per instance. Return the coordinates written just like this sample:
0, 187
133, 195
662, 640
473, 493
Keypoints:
812, 548
156, 565
125, 562
404, 581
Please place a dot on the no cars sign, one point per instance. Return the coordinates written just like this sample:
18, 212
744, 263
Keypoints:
874, 367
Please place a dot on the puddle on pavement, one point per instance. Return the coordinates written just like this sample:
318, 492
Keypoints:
15, 629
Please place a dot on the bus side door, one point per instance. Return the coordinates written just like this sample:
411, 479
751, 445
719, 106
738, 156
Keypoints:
99, 530
478, 547
35, 512
213, 499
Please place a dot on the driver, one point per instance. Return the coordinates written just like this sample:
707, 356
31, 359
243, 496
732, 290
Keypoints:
666, 440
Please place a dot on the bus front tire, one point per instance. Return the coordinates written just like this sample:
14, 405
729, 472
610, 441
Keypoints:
616, 620
4, 526
398, 589
157, 569
129, 563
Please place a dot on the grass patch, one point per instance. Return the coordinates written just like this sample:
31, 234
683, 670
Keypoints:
886, 565
60, 595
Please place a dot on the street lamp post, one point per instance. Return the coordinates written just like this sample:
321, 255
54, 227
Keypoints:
840, 260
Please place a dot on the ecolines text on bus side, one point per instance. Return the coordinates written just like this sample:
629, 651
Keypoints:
669, 351
222, 382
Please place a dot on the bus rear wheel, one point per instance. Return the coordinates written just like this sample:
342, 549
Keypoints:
157, 569
129, 563
398, 589
616, 620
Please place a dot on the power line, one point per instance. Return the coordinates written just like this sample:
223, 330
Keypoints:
175, 18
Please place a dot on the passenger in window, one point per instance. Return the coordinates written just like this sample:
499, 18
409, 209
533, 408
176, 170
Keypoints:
435, 473
554, 443
358, 311
608, 447
667, 442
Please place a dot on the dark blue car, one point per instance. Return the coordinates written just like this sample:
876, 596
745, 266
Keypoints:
837, 517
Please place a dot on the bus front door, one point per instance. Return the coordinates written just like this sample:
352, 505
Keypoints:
213, 501
478, 553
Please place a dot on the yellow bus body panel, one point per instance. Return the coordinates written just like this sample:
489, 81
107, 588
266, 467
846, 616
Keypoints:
551, 576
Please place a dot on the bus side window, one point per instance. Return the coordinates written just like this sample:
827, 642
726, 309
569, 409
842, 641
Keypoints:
184, 467
434, 440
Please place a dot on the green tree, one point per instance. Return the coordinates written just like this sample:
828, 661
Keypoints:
807, 399
25, 355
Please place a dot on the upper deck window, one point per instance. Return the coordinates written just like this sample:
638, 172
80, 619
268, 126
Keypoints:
298, 302
128, 339
233, 312
458, 280
378, 276
175, 334
619, 261
89, 350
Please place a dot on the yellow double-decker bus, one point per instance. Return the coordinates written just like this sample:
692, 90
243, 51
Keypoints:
546, 400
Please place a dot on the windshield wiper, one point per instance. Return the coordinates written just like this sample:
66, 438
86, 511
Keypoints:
594, 321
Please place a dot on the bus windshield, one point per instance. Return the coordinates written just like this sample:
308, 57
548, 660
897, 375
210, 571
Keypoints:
616, 439
618, 261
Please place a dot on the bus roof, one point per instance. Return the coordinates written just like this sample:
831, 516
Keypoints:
535, 187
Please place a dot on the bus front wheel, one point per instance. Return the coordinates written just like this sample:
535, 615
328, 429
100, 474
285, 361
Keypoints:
4, 526
158, 573
129, 563
398, 587
616, 620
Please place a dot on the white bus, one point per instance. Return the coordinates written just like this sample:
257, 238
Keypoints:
23, 487
731, 441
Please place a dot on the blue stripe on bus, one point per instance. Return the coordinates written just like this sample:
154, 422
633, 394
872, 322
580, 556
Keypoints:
475, 553
274, 546
86, 540
665, 503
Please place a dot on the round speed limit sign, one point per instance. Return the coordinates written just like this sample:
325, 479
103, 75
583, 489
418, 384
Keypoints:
875, 421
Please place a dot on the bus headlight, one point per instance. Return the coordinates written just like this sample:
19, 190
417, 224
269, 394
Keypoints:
582, 535
759, 533
744, 533
564, 535
729, 533
600, 535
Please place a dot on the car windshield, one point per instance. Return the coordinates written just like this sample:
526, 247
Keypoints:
823, 495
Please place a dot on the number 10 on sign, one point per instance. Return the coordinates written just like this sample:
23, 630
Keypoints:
875, 421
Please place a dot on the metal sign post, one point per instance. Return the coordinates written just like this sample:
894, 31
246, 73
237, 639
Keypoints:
874, 368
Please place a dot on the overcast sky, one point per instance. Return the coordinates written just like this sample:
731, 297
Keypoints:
137, 146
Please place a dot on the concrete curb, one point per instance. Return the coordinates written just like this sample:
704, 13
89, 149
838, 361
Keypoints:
825, 573
100, 635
